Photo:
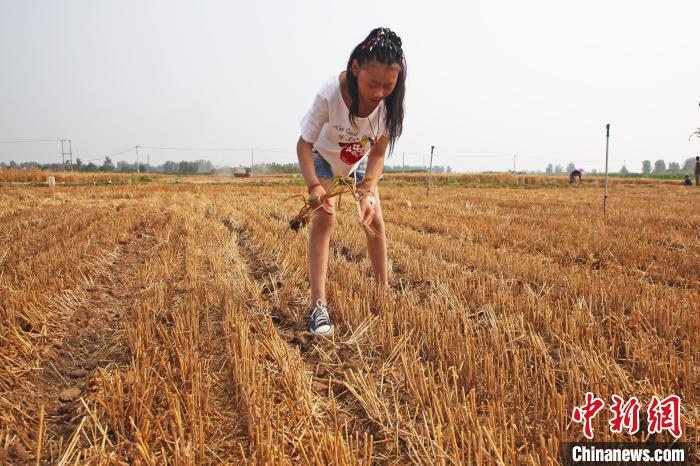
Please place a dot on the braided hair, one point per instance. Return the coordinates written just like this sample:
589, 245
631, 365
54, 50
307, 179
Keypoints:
383, 46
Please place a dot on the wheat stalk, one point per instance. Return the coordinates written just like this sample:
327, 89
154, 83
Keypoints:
341, 185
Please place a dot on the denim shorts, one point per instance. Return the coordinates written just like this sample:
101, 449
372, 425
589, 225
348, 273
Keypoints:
324, 170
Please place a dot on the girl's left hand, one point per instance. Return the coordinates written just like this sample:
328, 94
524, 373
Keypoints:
366, 212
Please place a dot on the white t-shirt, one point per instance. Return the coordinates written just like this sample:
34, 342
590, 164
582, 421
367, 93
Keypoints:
327, 126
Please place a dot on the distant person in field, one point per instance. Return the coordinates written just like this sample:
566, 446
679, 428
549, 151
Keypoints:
574, 174
356, 114
697, 171
686, 181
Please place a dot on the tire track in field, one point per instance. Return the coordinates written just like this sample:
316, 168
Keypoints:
92, 337
337, 364
327, 358
396, 437
265, 272
274, 288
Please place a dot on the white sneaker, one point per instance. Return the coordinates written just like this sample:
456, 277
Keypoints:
320, 321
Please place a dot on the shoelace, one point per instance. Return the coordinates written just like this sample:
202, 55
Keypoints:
320, 314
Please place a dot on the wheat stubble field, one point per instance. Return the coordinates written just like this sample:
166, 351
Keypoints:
165, 324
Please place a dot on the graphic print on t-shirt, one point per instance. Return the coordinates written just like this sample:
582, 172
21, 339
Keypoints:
352, 152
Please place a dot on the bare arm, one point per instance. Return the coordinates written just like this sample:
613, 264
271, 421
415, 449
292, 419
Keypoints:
306, 163
313, 184
375, 164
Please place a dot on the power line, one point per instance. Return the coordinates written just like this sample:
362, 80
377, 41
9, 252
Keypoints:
275, 151
122, 152
82, 159
454, 156
19, 141
93, 158
201, 149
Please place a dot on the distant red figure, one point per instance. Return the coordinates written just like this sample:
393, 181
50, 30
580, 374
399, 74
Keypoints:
625, 415
665, 415
585, 414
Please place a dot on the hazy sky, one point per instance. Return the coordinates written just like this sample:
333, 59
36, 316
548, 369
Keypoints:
486, 79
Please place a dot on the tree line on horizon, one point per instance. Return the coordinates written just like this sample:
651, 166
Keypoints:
190, 167
659, 168
207, 167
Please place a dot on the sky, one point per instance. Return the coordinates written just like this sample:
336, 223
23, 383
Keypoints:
489, 82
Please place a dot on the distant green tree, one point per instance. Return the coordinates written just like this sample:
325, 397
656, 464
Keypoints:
168, 167
660, 166
124, 166
646, 167
185, 167
689, 164
107, 166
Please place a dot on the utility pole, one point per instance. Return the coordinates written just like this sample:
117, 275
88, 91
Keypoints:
403, 162
69, 153
607, 143
430, 170
513, 164
137, 160
252, 158
148, 163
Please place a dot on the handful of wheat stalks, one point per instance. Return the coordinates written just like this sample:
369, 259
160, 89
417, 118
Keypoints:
341, 185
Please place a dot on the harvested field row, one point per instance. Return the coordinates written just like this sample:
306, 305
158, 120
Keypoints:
167, 324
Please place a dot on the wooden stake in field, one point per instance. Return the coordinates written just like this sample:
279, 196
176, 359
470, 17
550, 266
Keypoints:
607, 143
430, 170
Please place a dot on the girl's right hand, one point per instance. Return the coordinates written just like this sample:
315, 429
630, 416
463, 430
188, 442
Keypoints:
315, 194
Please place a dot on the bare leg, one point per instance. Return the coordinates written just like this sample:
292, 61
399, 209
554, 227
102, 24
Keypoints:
319, 245
376, 246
